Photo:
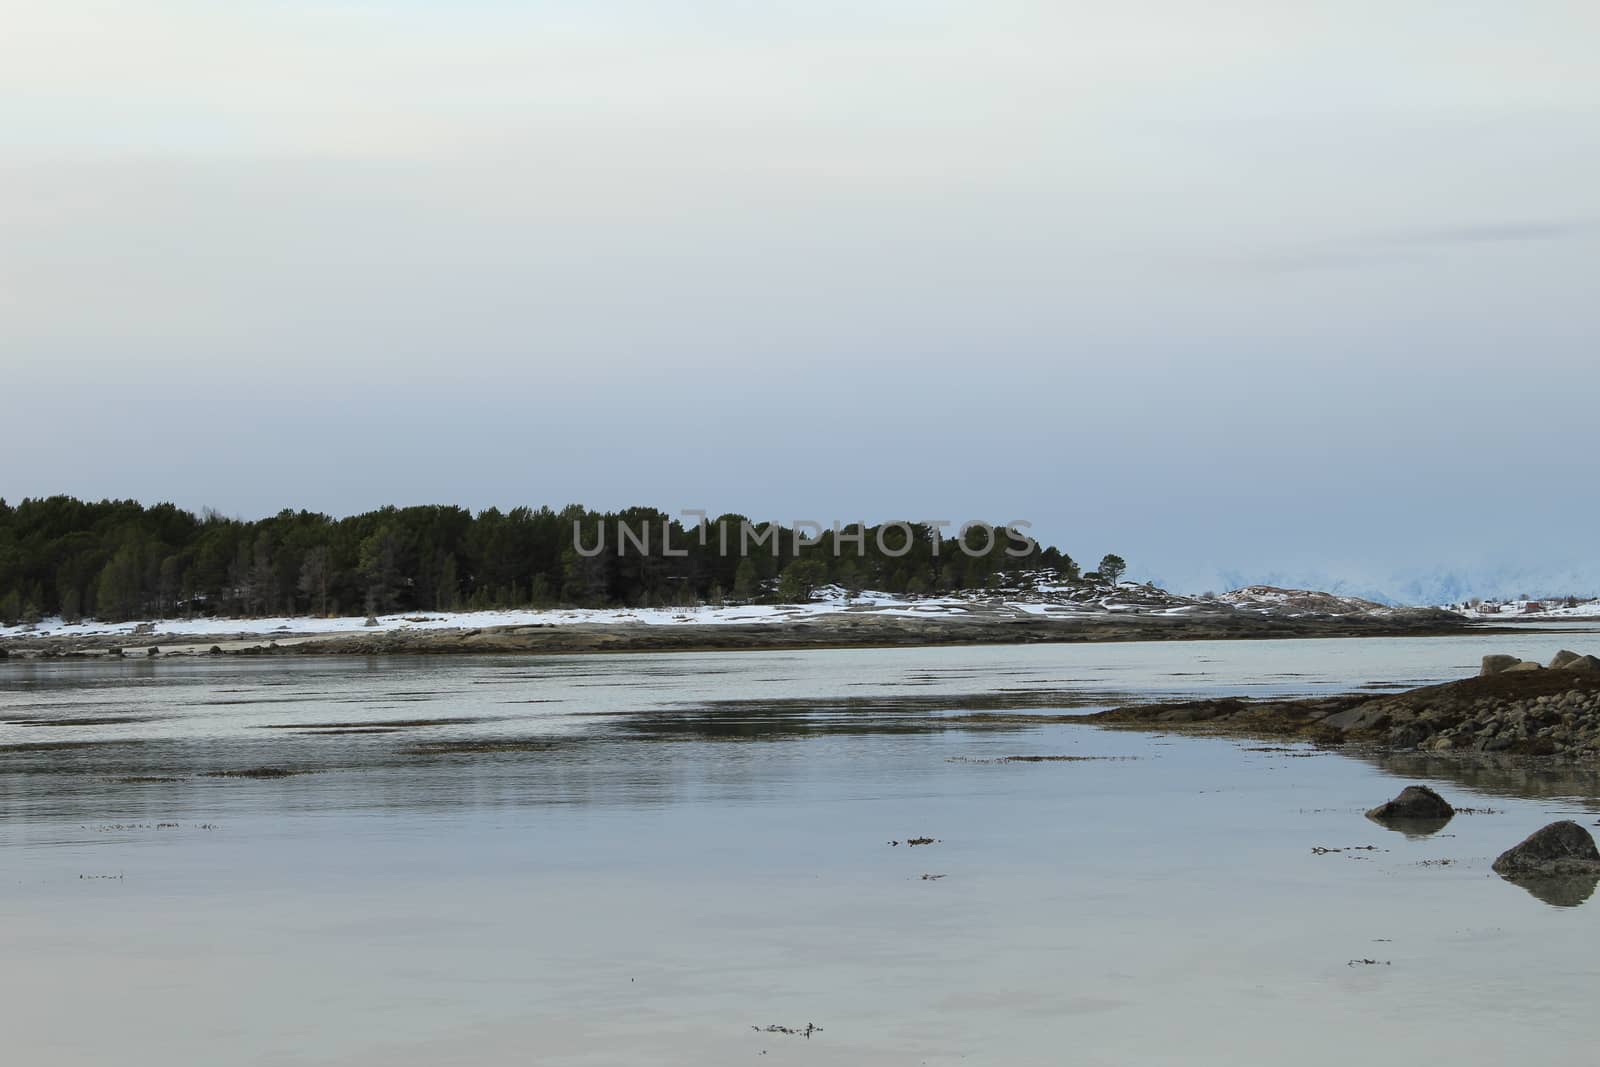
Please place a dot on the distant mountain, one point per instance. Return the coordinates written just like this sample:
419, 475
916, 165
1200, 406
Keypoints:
1440, 586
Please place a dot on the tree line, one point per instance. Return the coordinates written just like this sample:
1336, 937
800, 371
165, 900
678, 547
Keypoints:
116, 560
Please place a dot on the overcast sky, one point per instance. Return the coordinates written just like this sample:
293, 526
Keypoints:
1272, 289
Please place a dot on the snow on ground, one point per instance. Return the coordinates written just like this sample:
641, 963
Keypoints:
1044, 597
833, 603
1275, 599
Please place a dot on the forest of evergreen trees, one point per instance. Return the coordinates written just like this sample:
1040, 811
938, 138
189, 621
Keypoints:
117, 560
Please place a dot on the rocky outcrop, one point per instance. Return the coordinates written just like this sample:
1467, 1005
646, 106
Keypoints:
1560, 850
1413, 802
1517, 713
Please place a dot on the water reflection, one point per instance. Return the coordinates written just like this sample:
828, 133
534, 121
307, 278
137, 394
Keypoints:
1415, 829
1567, 891
1498, 774
749, 720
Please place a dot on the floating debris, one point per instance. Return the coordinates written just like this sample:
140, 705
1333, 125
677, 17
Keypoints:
806, 1031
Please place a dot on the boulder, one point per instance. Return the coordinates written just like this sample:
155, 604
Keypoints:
1496, 664
1562, 849
1524, 665
1415, 802
1562, 658
1582, 663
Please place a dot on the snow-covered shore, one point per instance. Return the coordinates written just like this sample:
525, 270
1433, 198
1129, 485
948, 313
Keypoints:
1042, 599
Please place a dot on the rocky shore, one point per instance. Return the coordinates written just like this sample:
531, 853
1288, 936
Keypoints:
1513, 707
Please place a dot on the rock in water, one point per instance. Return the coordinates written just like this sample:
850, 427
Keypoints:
1560, 849
1497, 664
1562, 658
1416, 802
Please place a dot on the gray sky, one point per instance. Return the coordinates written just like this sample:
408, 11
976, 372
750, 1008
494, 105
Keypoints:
1265, 290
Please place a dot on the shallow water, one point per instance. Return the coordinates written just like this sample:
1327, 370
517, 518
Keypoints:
639, 858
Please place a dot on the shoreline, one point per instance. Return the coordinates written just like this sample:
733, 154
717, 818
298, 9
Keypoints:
833, 630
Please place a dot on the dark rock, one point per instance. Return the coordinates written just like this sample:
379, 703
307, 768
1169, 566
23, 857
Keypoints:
1409, 735
152, 652
1414, 802
216, 650
1562, 849
1497, 664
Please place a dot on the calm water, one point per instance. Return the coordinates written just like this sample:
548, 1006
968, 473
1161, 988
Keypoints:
638, 859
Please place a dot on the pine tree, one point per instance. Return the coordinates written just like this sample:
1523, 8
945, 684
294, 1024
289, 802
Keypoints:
448, 595
117, 593
799, 580
314, 577
746, 583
